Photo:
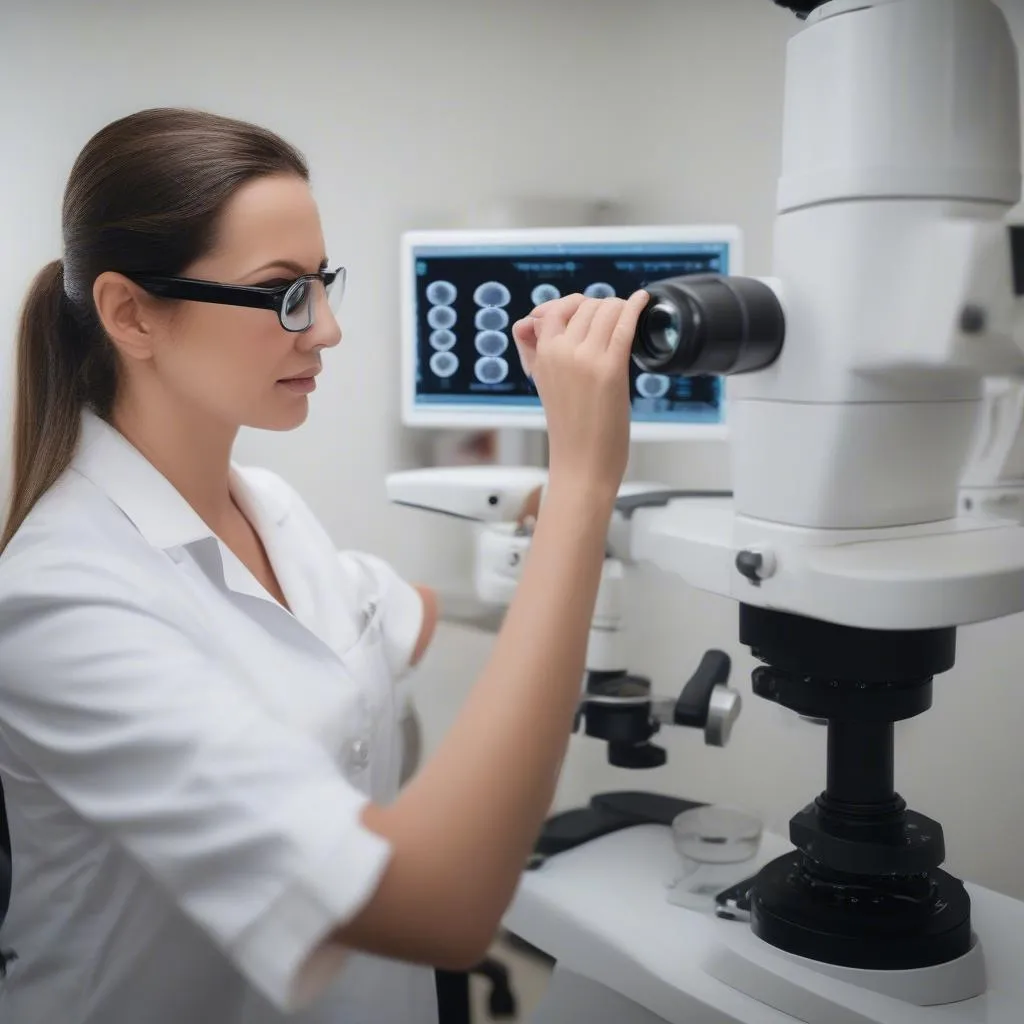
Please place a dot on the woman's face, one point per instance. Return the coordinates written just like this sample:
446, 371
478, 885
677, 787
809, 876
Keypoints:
235, 365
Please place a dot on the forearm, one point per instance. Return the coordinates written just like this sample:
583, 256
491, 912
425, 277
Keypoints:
515, 725
463, 828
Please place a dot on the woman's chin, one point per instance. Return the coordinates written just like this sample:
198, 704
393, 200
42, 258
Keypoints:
282, 415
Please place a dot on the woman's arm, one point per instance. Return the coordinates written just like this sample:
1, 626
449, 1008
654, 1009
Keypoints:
461, 831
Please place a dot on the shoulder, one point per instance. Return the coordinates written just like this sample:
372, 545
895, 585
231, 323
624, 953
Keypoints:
73, 526
68, 598
78, 558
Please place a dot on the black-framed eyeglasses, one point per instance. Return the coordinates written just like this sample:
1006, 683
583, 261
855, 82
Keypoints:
294, 302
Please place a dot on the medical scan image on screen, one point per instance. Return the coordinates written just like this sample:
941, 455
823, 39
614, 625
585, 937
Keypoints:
467, 299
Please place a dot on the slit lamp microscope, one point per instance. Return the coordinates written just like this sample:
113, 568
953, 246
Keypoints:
874, 408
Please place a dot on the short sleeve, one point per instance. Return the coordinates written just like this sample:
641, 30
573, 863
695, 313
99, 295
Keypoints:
247, 824
400, 606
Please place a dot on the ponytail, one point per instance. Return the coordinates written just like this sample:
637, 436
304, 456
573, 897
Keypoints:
52, 347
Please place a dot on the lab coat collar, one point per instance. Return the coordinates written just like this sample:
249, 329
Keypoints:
147, 497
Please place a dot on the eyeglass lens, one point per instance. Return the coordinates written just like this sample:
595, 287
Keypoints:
299, 303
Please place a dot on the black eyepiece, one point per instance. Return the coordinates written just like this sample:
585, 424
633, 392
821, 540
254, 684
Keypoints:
709, 324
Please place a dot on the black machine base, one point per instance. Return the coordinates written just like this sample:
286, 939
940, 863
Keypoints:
863, 888
916, 923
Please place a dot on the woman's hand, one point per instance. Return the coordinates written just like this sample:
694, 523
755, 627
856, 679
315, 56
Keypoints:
577, 352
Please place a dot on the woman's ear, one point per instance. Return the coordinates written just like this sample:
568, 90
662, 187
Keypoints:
127, 314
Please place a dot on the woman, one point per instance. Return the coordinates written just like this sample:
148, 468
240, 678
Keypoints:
196, 691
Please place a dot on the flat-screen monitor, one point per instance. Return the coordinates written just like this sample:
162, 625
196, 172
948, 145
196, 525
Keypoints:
463, 290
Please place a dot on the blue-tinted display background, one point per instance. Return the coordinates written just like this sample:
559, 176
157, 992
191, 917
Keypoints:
466, 297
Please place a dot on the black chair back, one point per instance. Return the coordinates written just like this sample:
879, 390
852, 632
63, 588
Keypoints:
5, 859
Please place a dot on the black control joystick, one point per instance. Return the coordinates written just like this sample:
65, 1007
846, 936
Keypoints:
619, 709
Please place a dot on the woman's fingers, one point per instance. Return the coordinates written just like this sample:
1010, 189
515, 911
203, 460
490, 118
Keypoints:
548, 320
599, 324
596, 331
620, 342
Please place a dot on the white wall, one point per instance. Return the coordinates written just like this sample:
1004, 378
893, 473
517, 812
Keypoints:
410, 112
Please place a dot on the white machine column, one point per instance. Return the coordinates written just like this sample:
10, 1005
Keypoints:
899, 117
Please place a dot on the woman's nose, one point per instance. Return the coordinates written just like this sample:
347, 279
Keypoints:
325, 331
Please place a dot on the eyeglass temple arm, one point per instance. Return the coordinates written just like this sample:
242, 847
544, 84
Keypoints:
204, 291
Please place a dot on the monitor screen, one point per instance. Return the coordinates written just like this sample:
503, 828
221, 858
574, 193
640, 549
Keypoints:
463, 290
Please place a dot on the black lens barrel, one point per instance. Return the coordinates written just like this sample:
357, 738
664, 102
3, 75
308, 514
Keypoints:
709, 324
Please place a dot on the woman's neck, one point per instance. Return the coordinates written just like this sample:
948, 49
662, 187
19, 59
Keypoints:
192, 450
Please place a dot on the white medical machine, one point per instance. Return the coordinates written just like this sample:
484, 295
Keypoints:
874, 412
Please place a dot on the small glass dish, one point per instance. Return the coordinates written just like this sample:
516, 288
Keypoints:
716, 846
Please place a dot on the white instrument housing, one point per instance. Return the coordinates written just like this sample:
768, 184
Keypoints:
898, 277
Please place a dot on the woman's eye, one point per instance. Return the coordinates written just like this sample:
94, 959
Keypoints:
296, 297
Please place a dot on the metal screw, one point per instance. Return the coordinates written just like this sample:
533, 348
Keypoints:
756, 565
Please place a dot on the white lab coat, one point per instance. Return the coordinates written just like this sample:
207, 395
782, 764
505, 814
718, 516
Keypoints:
185, 761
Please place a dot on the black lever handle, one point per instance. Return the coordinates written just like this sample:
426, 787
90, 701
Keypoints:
695, 700
630, 503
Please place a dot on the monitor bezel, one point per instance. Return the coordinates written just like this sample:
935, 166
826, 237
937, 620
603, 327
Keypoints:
461, 417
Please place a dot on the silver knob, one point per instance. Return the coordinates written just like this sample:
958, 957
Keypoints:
723, 710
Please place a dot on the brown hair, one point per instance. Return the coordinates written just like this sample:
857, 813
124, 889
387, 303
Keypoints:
144, 195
